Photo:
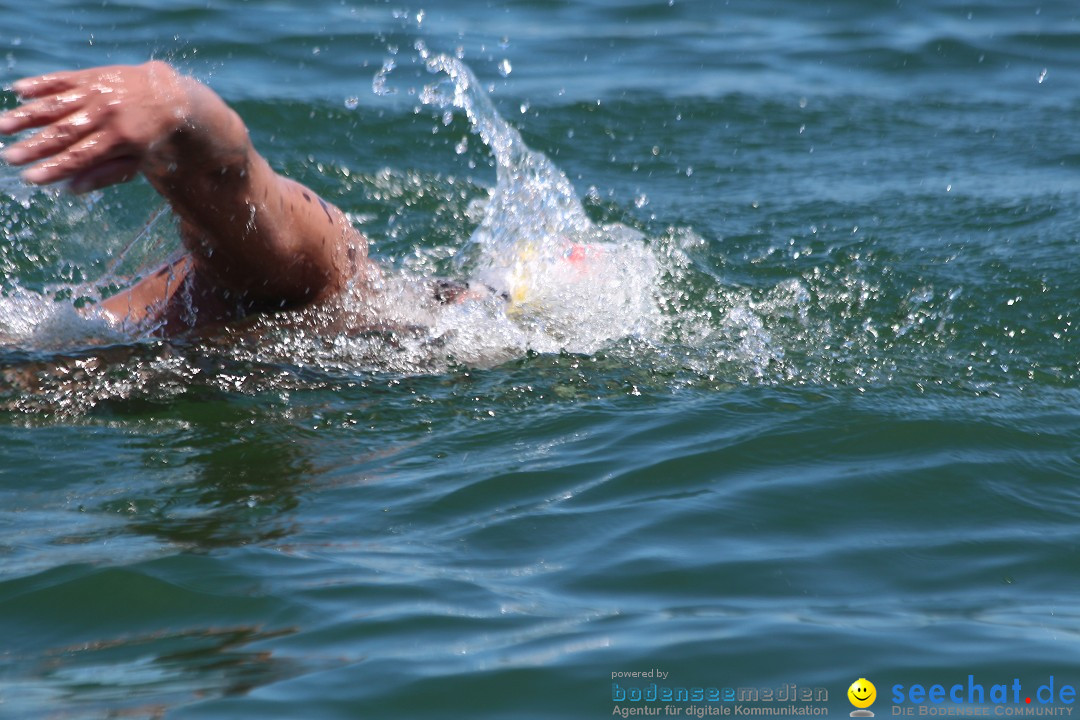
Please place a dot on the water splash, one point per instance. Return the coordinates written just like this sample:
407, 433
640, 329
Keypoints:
569, 284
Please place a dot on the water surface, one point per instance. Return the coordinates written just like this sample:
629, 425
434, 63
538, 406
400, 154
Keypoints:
843, 444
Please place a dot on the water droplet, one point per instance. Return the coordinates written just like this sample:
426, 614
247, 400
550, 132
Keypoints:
641, 201
351, 102
1042, 76
505, 68
504, 42
524, 107
378, 83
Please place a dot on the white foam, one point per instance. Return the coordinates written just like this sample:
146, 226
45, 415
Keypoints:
36, 321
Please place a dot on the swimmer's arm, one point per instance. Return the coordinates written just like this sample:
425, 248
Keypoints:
249, 230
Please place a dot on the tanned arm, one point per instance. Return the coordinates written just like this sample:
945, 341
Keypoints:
254, 237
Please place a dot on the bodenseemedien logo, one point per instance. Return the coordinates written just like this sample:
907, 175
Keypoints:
862, 695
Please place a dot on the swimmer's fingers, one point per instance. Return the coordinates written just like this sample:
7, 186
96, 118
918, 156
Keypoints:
42, 85
84, 156
41, 112
53, 139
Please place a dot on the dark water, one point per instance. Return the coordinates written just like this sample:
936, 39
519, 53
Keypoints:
846, 448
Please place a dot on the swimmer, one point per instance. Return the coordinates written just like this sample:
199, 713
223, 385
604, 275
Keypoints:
255, 241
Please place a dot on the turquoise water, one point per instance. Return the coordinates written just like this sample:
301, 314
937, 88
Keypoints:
824, 425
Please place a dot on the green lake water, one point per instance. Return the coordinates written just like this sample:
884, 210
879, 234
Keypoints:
814, 419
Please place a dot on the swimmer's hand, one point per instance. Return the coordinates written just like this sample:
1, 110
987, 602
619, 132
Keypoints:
95, 127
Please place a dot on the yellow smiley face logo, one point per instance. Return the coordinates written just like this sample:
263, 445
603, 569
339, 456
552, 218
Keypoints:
862, 693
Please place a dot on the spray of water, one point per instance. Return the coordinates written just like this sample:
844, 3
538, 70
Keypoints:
549, 278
